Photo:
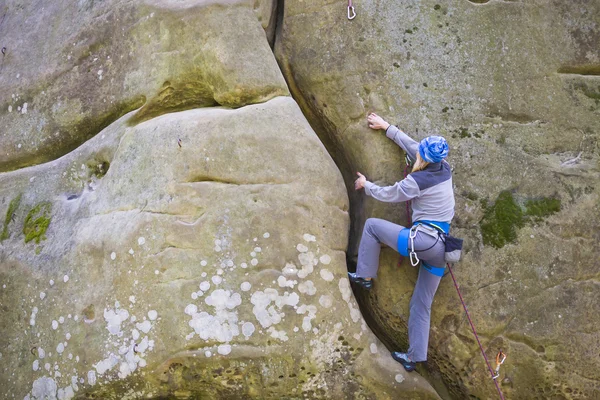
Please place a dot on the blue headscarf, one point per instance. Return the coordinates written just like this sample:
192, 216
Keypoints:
433, 149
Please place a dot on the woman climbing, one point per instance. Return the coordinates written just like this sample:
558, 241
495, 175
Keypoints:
429, 187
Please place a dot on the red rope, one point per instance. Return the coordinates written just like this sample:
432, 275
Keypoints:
475, 333
407, 209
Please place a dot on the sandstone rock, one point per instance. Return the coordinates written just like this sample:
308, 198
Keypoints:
513, 86
216, 268
187, 254
63, 81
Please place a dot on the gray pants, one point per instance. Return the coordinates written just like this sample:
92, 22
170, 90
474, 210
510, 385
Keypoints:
378, 231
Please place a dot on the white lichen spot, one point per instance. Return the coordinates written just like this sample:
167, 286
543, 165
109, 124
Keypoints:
42, 295
301, 248
266, 235
91, 378
216, 280
399, 378
289, 270
132, 299
254, 262
152, 315
61, 320
248, 329
66, 278
204, 286
207, 353
51, 282
60, 348
44, 388
141, 241
309, 238
307, 287
244, 265
191, 309
325, 259
373, 348
34, 312
105, 365
114, 318
144, 326
245, 286
156, 272
131, 252
281, 335
41, 353
9, 109
345, 289
224, 349
36, 365
203, 263
326, 301
113, 255
283, 282
24, 109
55, 324
326, 275
306, 324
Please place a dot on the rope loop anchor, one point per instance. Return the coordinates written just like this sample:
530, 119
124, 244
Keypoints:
351, 12
500, 358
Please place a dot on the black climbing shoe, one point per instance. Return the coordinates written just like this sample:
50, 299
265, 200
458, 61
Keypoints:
402, 358
362, 282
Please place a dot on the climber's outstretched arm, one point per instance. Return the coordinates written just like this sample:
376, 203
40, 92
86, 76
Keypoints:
409, 145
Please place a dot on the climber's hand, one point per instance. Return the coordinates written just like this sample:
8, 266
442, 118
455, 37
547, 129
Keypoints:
360, 182
376, 122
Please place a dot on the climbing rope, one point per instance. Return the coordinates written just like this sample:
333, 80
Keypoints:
501, 356
408, 221
351, 13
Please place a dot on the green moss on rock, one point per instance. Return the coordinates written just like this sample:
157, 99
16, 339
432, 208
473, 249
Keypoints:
12, 207
501, 220
37, 222
540, 208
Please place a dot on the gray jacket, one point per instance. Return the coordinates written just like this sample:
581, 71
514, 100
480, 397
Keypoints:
430, 190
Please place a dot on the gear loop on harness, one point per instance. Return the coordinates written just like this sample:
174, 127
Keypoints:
414, 260
351, 12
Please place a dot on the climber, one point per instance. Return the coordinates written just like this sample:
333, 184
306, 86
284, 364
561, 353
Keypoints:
429, 187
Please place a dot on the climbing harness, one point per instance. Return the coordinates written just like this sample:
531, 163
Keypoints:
502, 355
412, 234
500, 358
351, 12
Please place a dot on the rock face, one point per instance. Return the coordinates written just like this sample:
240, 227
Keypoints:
193, 247
514, 87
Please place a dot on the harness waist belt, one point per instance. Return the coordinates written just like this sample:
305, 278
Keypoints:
402, 242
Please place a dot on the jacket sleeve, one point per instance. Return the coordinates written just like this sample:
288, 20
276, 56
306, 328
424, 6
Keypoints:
409, 145
404, 190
